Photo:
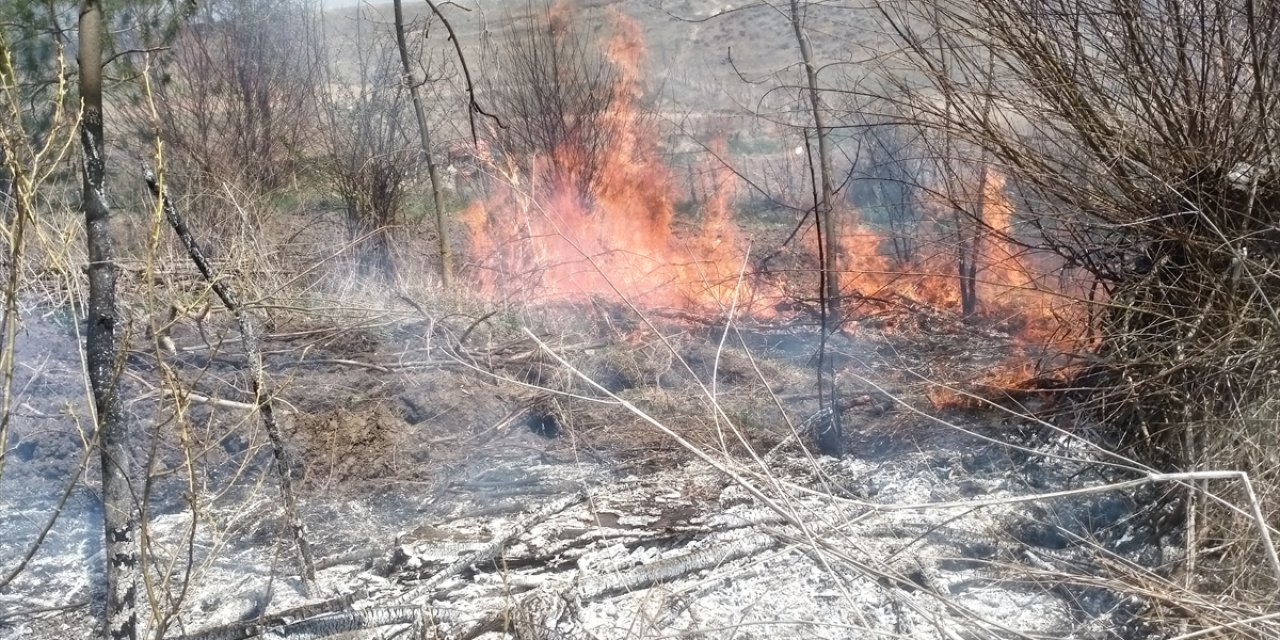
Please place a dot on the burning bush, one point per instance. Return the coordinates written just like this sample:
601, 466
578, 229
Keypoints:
559, 91
586, 206
1141, 140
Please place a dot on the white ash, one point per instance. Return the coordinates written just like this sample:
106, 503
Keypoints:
941, 569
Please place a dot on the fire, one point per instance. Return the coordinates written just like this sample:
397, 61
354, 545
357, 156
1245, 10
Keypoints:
1016, 283
539, 238
1009, 280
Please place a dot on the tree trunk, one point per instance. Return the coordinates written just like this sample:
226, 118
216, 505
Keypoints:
829, 430
446, 256
969, 271
826, 195
101, 344
968, 248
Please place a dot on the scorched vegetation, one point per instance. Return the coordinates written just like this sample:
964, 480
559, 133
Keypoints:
536, 319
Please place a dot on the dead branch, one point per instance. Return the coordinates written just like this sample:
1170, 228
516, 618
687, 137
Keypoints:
536, 614
261, 391
333, 624
473, 105
250, 628
72, 482
491, 550
216, 402
324, 625
717, 552
327, 618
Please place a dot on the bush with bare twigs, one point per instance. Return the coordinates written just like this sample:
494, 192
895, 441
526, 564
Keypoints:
236, 93
1142, 140
369, 158
555, 89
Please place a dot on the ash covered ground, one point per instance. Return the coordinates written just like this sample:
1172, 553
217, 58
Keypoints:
455, 485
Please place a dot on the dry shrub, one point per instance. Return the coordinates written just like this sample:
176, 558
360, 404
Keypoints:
1142, 142
556, 88
236, 94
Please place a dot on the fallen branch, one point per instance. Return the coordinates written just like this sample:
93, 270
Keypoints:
352, 363
333, 624
215, 402
491, 550
718, 552
241, 630
328, 619
328, 624
536, 614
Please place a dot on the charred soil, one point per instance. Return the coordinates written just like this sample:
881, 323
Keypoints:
480, 481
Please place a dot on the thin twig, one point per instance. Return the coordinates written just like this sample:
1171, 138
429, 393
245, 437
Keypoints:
262, 394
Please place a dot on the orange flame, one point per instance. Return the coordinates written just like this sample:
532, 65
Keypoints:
534, 241
537, 239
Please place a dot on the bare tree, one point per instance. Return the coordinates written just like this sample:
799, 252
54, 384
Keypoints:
31, 150
419, 112
829, 430
825, 187
34, 40
102, 342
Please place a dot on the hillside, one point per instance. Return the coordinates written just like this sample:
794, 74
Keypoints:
700, 64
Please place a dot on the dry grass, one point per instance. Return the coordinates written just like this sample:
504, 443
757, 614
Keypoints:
1186, 372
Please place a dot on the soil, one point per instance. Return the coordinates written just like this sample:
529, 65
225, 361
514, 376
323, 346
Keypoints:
413, 455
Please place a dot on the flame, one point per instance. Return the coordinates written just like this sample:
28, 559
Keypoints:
538, 239
1015, 282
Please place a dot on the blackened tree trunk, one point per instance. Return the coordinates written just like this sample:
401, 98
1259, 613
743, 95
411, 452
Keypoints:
977, 214
967, 250
446, 256
119, 512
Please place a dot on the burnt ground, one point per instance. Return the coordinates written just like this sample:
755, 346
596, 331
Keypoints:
486, 485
